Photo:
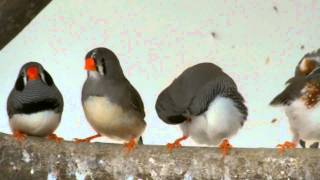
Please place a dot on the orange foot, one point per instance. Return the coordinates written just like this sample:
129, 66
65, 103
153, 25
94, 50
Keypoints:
285, 146
176, 144
86, 140
225, 147
55, 138
130, 146
19, 136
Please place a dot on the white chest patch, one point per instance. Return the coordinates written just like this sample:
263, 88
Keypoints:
220, 121
37, 124
304, 122
111, 120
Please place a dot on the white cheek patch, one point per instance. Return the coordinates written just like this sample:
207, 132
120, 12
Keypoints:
43, 78
100, 69
25, 80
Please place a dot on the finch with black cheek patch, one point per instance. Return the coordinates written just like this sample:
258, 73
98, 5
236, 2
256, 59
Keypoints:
35, 104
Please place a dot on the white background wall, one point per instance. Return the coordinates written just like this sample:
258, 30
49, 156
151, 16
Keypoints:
156, 40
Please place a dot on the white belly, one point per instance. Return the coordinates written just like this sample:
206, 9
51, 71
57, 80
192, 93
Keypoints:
303, 121
36, 124
111, 120
220, 121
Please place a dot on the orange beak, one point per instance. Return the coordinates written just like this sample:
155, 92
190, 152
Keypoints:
90, 64
33, 73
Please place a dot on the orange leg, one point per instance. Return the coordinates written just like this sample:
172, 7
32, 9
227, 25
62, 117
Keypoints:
225, 147
285, 146
130, 146
86, 140
55, 138
176, 144
19, 136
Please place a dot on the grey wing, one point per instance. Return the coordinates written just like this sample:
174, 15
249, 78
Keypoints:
59, 97
223, 86
10, 105
136, 101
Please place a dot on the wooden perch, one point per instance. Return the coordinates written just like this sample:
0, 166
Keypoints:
37, 158
15, 15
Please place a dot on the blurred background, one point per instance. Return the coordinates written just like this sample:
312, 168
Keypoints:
258, 43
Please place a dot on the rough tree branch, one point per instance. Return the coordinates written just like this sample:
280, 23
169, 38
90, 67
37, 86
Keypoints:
37, 158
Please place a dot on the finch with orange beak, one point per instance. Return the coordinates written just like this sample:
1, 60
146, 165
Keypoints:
113, 107
35, 104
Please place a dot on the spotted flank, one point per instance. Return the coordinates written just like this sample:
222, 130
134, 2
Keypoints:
311, 94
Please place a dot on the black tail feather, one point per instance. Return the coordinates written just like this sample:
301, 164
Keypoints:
140, 142
302, 143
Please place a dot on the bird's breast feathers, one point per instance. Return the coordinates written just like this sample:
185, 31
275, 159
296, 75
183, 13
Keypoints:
221, 120
111, 119
306, 108
39, 124
304, 119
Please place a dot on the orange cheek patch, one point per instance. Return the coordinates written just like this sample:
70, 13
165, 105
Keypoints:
33, 73
90, 64
307, 66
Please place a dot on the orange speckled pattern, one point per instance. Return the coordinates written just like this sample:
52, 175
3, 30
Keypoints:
312, 94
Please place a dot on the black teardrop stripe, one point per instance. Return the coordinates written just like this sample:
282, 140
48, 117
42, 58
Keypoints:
19, 86
33, 107
140, 142
48, 78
